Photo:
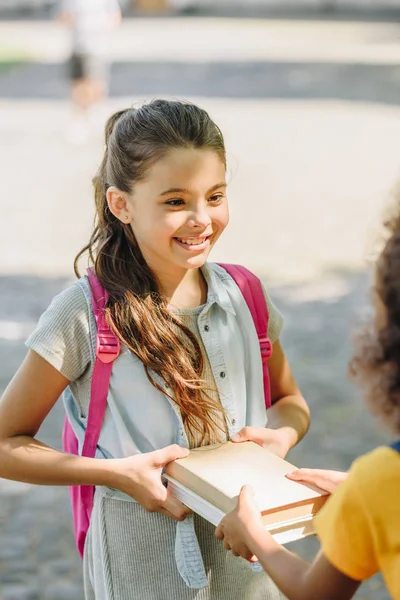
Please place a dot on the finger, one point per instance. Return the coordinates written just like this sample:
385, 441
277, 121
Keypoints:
293, 474
219, 534
177, 515
235, 553
247, 490
167, 454
176, 508
243, 435
253, 559
226, 545
305, 475
246, 554
166, 512
246, 498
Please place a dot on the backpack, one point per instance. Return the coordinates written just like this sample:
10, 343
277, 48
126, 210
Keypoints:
107, 350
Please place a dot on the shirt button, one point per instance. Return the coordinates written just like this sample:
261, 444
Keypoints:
233, 421
222, 374
206, 328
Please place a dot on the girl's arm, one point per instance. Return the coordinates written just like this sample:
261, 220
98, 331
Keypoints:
289, 415
243, 532
26, 402
298, 579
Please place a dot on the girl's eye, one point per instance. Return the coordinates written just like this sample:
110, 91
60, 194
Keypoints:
175, 202
216, 198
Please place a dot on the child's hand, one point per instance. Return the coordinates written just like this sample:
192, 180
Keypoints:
238, 526
274, 440
326, 480
139, 476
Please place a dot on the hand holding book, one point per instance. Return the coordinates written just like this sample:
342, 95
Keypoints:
239, 527
241, 524
275, 440
326, 480
139, 476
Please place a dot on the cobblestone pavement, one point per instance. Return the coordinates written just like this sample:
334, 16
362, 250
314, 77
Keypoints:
313, 153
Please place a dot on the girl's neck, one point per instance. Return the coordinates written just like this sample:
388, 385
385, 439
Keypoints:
185, 290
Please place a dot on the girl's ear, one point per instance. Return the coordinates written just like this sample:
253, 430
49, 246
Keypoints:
118, 204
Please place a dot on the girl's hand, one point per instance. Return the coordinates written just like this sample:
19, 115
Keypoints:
139, 476
326, 480
240, 524
275, 440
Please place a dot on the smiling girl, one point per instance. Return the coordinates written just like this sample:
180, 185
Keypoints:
189, 372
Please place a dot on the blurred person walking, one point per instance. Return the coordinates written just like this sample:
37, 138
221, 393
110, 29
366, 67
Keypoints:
91, 23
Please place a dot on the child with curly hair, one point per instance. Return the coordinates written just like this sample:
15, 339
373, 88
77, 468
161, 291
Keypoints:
359, 527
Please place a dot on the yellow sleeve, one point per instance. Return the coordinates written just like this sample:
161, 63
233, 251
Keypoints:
345, 530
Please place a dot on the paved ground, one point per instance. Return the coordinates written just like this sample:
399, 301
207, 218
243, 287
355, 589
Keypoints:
311, 119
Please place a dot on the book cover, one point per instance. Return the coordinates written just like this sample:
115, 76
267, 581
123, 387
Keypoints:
215, 474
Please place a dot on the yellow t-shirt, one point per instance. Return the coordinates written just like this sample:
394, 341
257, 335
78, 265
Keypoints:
359, 526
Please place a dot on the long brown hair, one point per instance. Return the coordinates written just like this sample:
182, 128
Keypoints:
135, 139
376, 361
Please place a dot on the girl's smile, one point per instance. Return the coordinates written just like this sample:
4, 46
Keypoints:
193, 244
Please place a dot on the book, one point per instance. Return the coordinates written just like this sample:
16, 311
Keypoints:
209, 480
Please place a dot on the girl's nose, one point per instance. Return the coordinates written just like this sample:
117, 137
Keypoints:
199, 218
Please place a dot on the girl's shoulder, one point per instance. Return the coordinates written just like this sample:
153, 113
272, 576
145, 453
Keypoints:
223, 284
72, 303
66, 332
375, 476
217, 270
383, 462
221, 273
220, 276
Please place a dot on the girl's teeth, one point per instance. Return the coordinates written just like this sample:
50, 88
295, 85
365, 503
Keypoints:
190, 242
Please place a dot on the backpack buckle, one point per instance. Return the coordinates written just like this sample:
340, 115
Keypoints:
266, 349
107, 346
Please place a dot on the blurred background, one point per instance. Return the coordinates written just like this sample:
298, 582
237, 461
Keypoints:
307, 94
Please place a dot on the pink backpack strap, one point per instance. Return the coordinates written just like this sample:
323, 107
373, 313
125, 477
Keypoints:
107, 350
253, 293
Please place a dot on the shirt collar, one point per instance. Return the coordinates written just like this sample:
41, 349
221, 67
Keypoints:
217, 291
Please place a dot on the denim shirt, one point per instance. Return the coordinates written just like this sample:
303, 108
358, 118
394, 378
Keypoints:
140, 418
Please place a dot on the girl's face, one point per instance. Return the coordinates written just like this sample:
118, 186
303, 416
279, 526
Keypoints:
180, 209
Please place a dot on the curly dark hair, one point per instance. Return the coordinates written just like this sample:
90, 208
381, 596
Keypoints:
376, 361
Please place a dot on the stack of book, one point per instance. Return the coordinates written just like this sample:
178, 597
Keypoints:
209, 480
